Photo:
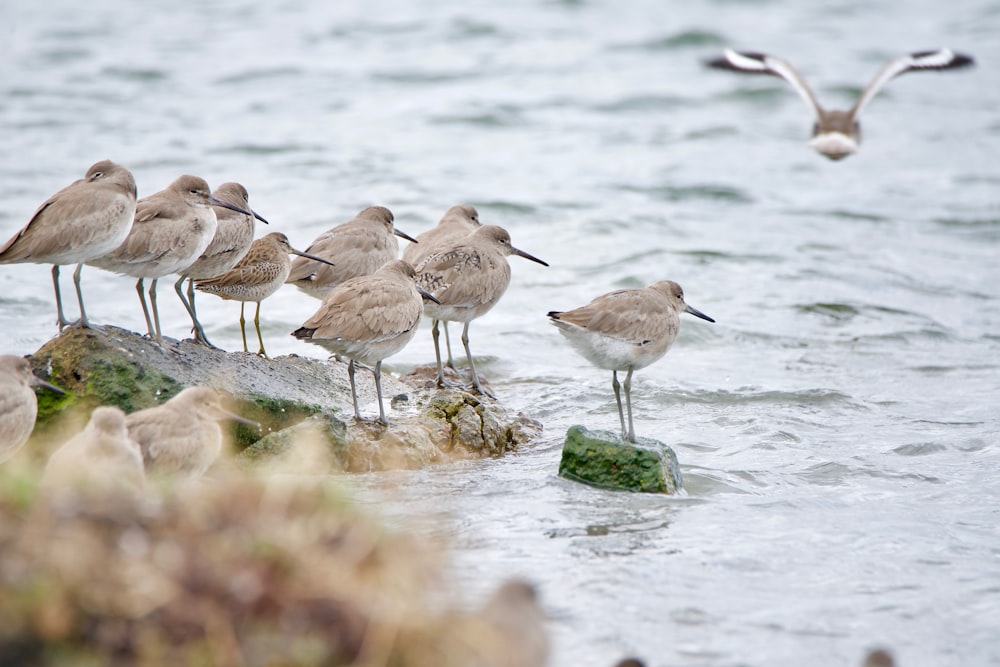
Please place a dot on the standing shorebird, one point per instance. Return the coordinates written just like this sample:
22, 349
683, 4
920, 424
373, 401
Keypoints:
358, 248
88, 218
18, 404
255, 277
457, 223
368, 319
233, 236
182, 437
626, 330
837, 134
468, 278
101, 456
172, 229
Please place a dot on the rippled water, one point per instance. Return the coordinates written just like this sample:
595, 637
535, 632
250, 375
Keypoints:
837, 427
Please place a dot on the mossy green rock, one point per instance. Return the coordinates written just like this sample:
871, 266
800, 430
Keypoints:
112, 366
602, 458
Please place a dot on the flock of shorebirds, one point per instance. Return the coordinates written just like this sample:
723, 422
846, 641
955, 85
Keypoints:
372, 301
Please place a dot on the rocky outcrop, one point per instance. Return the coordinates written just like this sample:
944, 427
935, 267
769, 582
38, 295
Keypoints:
290, 396
602, 458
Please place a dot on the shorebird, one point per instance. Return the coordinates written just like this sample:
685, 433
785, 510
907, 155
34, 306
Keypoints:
367, 319
233, 236
182, 436
457, 223
85, 220
357, 247
102, 455
255, 277
468, 278
626, 330
172, 228
18, 404
837, 134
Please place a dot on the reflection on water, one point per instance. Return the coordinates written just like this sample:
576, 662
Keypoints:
836, 428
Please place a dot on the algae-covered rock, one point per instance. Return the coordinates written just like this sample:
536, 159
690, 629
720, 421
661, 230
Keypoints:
112, 366
603, 459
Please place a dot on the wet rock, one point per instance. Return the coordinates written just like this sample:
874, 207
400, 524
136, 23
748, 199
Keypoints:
290, 396
602, 458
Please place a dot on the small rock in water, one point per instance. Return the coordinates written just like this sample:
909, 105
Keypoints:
603, 459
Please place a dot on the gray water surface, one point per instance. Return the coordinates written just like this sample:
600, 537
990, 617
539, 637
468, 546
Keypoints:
837, 428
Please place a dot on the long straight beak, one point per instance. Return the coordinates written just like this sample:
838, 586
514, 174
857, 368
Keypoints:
232, 416
219, 202
427, 295
521, 253
258, 217
697, 313
312, 257
39, 382
403, 235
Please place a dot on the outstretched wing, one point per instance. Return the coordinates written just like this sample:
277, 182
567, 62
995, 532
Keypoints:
750, 62
940, 59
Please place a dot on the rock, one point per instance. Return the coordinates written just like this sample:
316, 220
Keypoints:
290, 396
602, 458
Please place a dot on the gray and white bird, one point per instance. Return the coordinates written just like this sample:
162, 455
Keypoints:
233, 236
358, 247
626, 330
368, 319
837, 134
457, 222
468, 278
85, 220
100, 457
18, 403
172, 228
182, 437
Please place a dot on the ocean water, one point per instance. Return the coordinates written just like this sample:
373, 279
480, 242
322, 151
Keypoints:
837, 427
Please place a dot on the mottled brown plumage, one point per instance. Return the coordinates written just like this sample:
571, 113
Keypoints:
255, 277
357, 248
85, 220
468, 278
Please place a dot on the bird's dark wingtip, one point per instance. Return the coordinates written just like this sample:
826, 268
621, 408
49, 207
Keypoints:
303, 333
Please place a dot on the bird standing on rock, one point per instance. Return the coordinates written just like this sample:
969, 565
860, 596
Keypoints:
367, 319
468, 278
233, 236
626, 330
255, 277
356, 248
458, 222
172, 228
85, 220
